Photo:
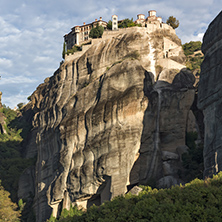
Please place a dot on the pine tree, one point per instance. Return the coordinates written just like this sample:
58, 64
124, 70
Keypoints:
173, 22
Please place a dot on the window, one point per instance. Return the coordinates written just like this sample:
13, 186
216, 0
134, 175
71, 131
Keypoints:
114, 23
114, 18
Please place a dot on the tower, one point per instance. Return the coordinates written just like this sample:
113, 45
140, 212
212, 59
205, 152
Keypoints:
114, 22
152, 13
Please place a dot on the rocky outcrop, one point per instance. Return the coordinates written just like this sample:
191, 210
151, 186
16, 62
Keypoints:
2, 118
210, 96
102, 124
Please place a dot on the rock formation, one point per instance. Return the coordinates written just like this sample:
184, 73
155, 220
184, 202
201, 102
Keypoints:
2, 118
210, 96
108, 120
164, 128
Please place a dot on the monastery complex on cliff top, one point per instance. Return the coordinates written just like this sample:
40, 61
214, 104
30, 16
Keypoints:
80, 34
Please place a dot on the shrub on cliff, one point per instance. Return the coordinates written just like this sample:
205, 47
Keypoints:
199, 200
74, 49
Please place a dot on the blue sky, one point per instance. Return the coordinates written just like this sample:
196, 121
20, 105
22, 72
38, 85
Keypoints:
31, 36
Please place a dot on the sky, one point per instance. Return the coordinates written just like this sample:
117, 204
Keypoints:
31, 33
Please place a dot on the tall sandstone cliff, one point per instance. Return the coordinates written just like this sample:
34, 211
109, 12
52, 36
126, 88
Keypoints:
110, 119
210, 96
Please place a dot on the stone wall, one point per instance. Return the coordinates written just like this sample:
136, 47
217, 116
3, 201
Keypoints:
170, 64
210, 96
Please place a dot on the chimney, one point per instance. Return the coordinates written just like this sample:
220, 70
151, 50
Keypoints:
96, 20
100, 18
84, 23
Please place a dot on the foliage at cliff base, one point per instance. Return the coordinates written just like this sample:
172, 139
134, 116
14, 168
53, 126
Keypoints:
199, 200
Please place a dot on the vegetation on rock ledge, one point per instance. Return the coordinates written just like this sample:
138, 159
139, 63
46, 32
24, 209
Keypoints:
195, 57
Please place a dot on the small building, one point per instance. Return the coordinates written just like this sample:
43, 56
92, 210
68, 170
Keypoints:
80, 34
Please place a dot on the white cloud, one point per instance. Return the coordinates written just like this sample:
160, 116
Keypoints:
6, 63
15, 80
13, 100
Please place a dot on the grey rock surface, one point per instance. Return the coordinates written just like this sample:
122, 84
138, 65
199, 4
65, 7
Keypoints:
210, 96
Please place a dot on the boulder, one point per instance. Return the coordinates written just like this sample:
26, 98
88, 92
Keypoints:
184, 79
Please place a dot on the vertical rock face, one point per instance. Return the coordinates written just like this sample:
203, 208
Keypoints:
210, 96
164, 128
102, 125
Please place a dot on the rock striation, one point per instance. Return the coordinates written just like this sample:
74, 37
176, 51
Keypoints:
210, 96
107, 121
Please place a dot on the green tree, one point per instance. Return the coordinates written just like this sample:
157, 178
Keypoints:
127, 23
191, 47
173, 22
64, 50
96, 32
109, 24
195, 57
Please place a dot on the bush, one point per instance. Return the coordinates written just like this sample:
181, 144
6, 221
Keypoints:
199, 200
75, 48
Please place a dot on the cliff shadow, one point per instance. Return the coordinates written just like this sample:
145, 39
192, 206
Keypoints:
103, 193
146, 167
164, 126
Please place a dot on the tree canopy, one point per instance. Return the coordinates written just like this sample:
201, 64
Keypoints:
96, 32
191, 47
199, 200
109, 24
195, 57
173, 22
126, 23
